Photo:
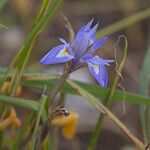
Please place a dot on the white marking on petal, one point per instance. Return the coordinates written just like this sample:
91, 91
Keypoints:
96, 68
63, 53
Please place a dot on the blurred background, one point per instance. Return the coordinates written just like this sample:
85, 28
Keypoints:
17, 16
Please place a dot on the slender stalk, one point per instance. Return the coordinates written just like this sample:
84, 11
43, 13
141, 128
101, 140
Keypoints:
124, 23
34, 136
107, 102
135, 140
103, 109
55, 138
58, 85
23, 130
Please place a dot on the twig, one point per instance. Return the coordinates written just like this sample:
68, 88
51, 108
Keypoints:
109, 97
58, 86
68, 26
140, 145
120, 73
135, 140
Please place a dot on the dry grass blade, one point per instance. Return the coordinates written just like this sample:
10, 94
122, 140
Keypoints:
91, 99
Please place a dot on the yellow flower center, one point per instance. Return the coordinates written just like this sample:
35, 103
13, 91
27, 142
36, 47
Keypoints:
65, 51
96, 68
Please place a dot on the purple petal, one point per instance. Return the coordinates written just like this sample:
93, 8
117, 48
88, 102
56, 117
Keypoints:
97, 45
89, 24
58, 54
85, 58
97, 60
103, 76
62, 40
81, 45
92, 39
85, 36
100, 73
103, 80
85, 28
93, 30
80, 32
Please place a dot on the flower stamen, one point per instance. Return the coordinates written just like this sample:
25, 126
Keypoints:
96, 68
64, 52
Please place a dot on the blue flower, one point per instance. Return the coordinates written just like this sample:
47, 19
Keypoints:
79, 53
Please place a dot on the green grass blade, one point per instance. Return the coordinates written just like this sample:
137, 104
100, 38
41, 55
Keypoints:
41, 109
40, 25
23, 55
93, 100
117, 76
38, 80
95, 90
89, 97
143, 90
2, 4
108, 100
124, 23
47, 143
19, 102
23, 131
3, 26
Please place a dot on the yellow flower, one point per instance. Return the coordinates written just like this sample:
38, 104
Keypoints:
11, 120
5, 88
68, 124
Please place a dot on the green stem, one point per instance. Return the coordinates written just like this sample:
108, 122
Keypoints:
23, 131
107, 102
34, 137
98, 105
58, 86
124, 23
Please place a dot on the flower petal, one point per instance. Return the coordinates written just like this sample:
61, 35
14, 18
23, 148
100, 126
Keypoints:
93, 30
84, 29
89, 24
62, 40
103, 76
81, 45
85, 58
92, 39
100, 73
97, 45
84, 42
58, 54
97, 60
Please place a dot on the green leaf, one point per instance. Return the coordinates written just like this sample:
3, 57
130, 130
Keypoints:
2, 4
95, 90
108, 100
22, 57
143, 90
40, 24
23, 131
25, 103
124, 23
41, 109
93, 100
3, 26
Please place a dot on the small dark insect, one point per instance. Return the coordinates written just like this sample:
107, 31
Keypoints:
64, 111
58, 112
